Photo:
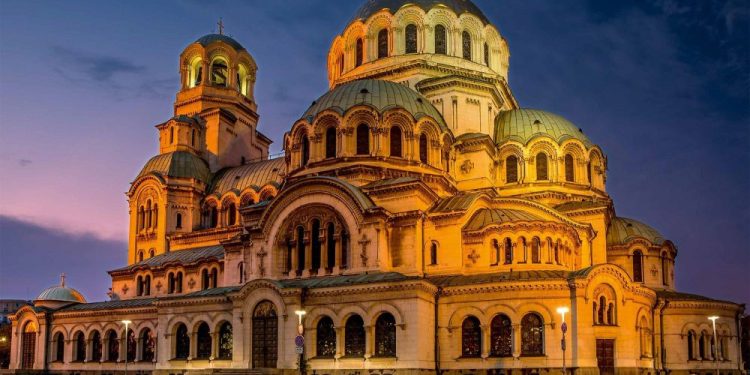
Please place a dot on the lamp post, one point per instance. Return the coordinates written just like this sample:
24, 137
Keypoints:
716, 344
564, 327
126, 323
299, 341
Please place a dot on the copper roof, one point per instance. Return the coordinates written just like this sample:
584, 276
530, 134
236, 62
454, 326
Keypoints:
179, 164
253, 175
523, 125
623, 230
488, 216
182, 257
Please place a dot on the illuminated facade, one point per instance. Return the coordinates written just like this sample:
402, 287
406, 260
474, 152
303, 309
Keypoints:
423, 220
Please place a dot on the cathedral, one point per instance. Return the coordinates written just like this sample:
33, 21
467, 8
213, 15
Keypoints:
420, 221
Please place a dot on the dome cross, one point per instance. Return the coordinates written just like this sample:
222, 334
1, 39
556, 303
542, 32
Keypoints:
221, 26
62, 279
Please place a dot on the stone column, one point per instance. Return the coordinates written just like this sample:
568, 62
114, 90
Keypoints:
193, 345
295, 259
486, 340
323, 253
369, 340
337, 262
339, 342
308, 256
516, 331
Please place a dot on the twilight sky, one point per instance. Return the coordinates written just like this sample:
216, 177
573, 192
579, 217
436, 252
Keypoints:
663, 86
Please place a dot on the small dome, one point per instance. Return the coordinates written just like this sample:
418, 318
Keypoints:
381, 95
60, 293
623, 230
523, 125
213, 38
179, 164
457, 6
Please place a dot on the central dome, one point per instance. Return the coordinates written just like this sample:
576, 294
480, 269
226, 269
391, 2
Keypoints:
457, 6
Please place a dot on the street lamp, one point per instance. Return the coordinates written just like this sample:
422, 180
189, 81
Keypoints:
716, 345
126, 323
299, 341
564, 327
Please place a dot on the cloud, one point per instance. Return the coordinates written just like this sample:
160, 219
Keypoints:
98, 68
24, 162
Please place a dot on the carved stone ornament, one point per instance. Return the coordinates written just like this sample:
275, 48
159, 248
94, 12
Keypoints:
364, 242
654, 271
158, 286
467, 166
261, 267
474, 256
125, 289
191, 283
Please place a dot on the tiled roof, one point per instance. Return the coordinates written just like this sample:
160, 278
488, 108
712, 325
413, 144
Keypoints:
205, 293
111, 305
211, 38
679, 296
457, 6
522, 125
455, 203
180, 164
390, 182
254, 175
459, 280
183, 257
336, 281
623, 230
379, 94
487, 216
580, 205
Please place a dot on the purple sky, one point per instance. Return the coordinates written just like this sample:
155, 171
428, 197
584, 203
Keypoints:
661, 85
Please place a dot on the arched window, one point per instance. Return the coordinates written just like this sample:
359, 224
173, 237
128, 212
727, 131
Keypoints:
170, 283
147, 285
140, 218
139, 280
383, 43
508, 251
232, 214
148, 345
28, 345
197, 73
192, 137
325, 346
204, 279
359, 53
471, 337
213, 217
588, 171
396, 141
331, 247
486, 54
113, 346
411, 38
214, 278
702, 346
171, 135
495, 252
80, 347
385, 336
219, 73
241, 271
96, 347
316, 246
182, 342
691, 343
557, 252
501, 336
341, 64
300, 249
155, 210
225, 341
532, 335
132, 345
600, 311
604, 306
305, 150
466, 44
345, 249
524, 249
441, 40
354, 337
423, 148
331, 142
178, 220
59, 347
363, 139
433, 254
151, 253
541, 167
511, 169
178, 282
570, 174
140, 256
535, 251
664, 270
638, 266
204, 341
645, 336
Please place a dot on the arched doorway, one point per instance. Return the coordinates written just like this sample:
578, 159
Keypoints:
28, 345
265, 335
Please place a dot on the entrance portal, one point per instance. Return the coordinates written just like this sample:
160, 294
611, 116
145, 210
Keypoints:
265, 335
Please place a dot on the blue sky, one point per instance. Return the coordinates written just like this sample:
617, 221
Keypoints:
663, 86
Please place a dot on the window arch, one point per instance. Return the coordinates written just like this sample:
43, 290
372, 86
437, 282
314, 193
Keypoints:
508, 251
178, 221
171, 134
148, 345
638, 266
214, 278
113, 346
570, 174
140, 256
691, 344
219, 73
225, 341
501, 336
28, 345
383, 43
59, 347
511, 169
231, 214
541, 167
300, 249
532, 335
535, 250
203, 338
385, 336
132, 345
305, 150
471, 337
604, 306
331, 142
423, 148
241, 271
341, 64
359, 51
702, 346
486, 54
182, 342
433, 254
331, 246
316, 245
441, 40
196, 73
396, 141
354, 337
80, 347
466, 45
205, 283
664, 270
410, 38
96, 346
363, 139
325, 345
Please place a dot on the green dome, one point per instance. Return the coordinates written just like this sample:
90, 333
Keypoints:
623, 230
378, 94
179, 164
457, 6
523, 125
60, 293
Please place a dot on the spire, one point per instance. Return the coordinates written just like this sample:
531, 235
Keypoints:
62, 279
221, 26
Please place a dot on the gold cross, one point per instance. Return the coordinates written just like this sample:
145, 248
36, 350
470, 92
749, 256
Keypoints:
221, 26
62, 279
